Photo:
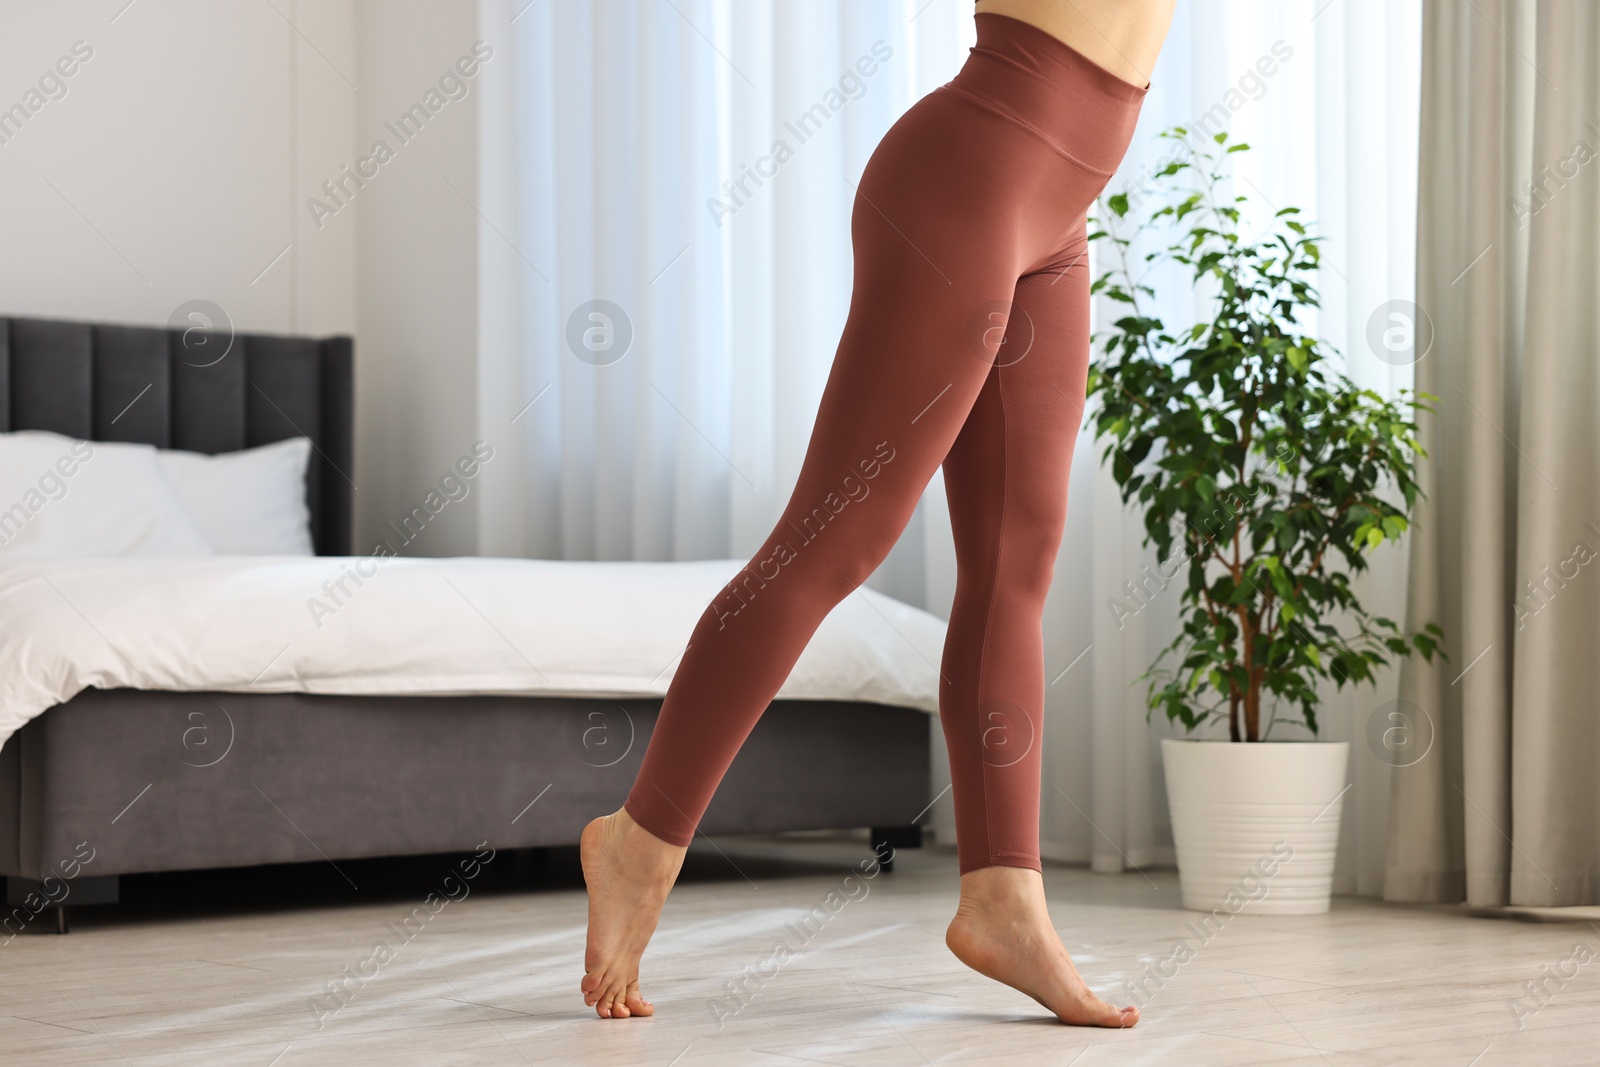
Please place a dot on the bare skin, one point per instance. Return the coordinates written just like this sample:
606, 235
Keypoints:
1123, 36
628, 871
1001, 930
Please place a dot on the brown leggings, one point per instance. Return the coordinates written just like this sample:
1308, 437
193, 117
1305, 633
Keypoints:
967, 345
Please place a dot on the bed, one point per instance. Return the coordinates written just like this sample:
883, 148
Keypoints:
173, 714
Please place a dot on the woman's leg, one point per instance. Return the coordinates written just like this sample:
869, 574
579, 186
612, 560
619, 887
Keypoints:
937, 250
972, 189
1006, 480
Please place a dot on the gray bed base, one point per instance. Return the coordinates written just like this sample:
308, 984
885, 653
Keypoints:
133, 781
156, 781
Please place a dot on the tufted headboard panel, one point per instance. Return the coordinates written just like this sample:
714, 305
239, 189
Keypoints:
215, 393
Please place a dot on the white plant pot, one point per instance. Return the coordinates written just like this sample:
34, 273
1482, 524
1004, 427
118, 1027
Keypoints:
1256, 824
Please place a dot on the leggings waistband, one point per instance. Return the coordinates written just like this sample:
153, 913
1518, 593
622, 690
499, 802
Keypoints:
1042, 84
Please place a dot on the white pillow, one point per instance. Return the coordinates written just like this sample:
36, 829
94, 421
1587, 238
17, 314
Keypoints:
61, 498
249, 503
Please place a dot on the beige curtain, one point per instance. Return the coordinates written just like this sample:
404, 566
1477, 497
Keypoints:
1505, 806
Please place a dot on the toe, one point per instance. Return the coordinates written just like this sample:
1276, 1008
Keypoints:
636, 1004
610, 1006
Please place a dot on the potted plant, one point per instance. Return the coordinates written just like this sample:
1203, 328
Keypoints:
1265, 477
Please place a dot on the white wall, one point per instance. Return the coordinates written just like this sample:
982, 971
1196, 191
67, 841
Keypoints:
416, 227
172, 168
179, 163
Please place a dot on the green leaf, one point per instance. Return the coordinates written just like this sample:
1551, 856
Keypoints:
1257, 458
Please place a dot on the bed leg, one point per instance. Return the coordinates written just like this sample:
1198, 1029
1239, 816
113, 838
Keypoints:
887, 840
103, 889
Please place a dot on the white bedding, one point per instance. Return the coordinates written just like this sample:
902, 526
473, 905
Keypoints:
416, 626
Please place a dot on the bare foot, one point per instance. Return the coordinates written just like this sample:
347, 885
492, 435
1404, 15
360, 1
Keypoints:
1002, 930
628, 871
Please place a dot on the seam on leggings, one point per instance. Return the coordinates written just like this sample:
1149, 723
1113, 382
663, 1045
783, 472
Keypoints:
988, 611
1026, 126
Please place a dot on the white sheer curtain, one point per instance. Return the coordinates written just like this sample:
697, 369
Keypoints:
651, 177
630, 119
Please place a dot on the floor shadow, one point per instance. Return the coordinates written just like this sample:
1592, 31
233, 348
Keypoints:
286, 888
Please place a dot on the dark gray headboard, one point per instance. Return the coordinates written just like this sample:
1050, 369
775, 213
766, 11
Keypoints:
139, 383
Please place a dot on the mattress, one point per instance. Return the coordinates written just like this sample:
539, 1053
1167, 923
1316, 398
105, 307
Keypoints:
372, 626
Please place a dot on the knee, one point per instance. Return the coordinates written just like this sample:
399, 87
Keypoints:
1031, 539
806, 575
840, 546
847, 570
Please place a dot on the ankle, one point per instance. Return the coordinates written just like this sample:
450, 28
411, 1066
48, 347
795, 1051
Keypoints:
1009, 890
636, 837
997, 881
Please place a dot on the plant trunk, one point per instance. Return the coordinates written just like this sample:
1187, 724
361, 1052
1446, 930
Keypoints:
1252, 694
1252, 707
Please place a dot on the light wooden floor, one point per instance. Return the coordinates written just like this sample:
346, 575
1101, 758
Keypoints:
170, 977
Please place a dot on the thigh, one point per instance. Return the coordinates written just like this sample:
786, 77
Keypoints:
940, 238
